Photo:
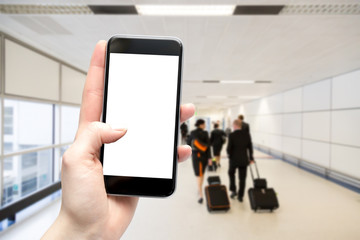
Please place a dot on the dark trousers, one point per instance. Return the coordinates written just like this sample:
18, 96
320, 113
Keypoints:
242, 179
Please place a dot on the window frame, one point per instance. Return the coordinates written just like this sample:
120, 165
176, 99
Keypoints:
9, 210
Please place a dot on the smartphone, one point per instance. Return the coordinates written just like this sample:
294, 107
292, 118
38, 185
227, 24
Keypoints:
142, 90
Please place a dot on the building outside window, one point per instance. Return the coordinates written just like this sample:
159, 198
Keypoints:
8, 120
37, 123
31, 125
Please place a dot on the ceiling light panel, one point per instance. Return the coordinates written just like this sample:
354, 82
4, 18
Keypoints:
262, 81
211, 81
186, 10
237, 81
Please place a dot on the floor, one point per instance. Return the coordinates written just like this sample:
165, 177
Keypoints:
310, 208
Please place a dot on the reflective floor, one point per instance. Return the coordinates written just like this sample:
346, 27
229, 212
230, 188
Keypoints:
310, 208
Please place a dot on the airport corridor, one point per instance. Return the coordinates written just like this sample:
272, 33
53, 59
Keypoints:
311, 207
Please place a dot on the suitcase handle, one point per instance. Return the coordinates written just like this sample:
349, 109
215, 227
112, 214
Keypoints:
257, 171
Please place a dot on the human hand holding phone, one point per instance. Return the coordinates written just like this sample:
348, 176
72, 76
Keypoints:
87, 212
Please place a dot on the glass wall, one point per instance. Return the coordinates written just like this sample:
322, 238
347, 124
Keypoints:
33, 145
27, 125
39, 113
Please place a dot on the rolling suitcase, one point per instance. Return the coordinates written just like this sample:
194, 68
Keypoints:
212, 180
217, 198
258, 182
261, 197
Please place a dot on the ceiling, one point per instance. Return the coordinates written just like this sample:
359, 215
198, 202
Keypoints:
288, 50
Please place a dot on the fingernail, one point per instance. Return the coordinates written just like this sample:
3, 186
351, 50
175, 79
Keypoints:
187, 146
121, 129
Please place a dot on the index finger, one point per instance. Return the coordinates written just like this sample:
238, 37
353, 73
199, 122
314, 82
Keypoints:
92, 98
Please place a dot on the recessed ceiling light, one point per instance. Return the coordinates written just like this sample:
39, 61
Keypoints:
211, 81
262, 81
237, 81
186, 10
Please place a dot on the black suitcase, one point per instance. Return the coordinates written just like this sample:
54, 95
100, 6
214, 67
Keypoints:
260, 183
261, 197
214, 180
217, 198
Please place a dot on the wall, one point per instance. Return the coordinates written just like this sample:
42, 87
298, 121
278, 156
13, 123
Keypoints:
317, 124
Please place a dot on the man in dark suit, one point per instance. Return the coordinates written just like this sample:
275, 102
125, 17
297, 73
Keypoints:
245, 126
240, 153
217, 141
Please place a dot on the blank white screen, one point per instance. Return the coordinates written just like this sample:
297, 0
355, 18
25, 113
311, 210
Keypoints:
142, 98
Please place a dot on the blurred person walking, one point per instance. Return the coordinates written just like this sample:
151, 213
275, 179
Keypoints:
244, 125
184, 132
200, 143
240, 154
217, 139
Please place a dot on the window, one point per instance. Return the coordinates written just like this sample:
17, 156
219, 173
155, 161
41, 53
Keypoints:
8, 147
28, 184
8, 164
29, 160
26, 173
10, 180
29, 125
69, 123
59, 152
34, 125
45, 167
8, 120
7, 194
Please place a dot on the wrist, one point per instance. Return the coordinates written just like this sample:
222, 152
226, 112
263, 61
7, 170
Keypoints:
65, 228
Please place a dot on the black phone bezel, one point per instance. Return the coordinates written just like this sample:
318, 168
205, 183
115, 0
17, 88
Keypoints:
141, 186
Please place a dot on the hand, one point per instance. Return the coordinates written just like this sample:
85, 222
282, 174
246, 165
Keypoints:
252, 162
87, 212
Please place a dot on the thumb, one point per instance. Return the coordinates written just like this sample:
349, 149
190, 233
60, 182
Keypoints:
98, 133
